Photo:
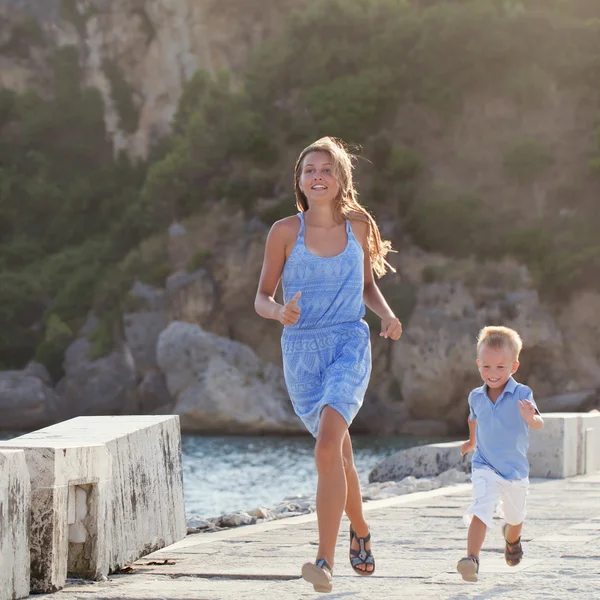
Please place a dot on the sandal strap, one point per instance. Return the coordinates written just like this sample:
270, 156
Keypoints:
323, 564
514, 551
367, 538
357, 560
363, 554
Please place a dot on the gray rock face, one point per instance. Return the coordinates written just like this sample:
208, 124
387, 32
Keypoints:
26, 402
573, 402
192, 296
47, 10
153, 394
38, 370
141, 334
435, 361
421, 461
219, 384
105, 386
150, 297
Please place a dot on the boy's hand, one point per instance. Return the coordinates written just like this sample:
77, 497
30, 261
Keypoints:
467, 447
391, 328
527, 409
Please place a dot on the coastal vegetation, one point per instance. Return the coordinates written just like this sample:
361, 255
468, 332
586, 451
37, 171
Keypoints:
477, 120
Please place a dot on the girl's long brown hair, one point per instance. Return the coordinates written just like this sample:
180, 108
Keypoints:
346, 203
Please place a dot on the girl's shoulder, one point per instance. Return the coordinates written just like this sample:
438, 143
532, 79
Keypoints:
286, 229
360, 226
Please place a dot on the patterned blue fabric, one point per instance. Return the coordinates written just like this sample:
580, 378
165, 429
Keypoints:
327, 353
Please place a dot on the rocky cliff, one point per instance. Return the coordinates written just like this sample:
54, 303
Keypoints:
138, 53
461, 175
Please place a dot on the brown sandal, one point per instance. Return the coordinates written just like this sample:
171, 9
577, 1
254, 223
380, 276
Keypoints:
469, 568
513, 551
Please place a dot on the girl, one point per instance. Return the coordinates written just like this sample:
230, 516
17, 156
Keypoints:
326, 256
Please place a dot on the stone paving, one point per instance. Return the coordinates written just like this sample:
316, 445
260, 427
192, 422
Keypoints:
418, 539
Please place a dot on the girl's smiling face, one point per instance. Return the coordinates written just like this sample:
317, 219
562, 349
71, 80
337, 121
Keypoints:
317, 180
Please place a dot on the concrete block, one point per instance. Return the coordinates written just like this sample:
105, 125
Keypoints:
569, 444
105, 491
589, 442
15, 507
554, 449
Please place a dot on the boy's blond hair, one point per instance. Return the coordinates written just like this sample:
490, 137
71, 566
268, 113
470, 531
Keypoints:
500, 337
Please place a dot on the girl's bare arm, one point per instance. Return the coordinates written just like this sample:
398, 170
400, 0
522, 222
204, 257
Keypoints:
274, 259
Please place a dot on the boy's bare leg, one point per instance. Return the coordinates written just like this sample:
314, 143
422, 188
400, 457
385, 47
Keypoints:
512, 533
354, 504
331, 487
475, 538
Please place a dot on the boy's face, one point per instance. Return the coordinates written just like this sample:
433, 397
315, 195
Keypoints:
496, 365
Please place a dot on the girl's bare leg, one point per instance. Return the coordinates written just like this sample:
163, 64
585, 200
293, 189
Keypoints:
354, 504
331, 487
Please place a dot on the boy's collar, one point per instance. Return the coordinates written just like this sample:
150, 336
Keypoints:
509, 388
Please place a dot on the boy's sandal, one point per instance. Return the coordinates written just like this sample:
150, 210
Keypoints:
362, 556
513, 551
320, 574
468, 568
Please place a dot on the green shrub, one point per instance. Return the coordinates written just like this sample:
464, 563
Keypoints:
351, 106
527, 160
402, 298
123, 96
528, 86
199, 260
277, 210
451, 225
104, 336
433, 273
149, 262
25, 35
51, 350
403, 164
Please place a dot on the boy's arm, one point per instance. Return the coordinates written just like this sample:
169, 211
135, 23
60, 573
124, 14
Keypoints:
471, 443
531, 414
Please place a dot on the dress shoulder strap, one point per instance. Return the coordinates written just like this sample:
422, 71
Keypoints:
348, 227
301, 231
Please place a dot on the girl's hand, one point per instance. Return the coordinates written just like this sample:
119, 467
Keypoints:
391, 328
289, 313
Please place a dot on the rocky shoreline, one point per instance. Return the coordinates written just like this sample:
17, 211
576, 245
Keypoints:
293, 506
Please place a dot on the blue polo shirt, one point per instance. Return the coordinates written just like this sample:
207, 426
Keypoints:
502, 434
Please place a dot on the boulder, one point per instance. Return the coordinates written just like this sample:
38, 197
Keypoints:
192, 296
422, 461
141, 334
103, 386
27, 402
221, 385
153, 395
38, 370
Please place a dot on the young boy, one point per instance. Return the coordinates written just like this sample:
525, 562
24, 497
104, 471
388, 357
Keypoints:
501, 413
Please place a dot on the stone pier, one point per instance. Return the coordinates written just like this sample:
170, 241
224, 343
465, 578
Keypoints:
104, 492
15, 504
568, 445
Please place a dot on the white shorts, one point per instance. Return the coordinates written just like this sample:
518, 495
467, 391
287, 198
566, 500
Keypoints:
491, 491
